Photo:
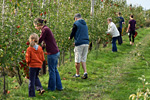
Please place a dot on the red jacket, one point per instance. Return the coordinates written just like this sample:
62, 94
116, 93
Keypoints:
34, 58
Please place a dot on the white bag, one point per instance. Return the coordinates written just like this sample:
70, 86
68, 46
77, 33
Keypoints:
128, 33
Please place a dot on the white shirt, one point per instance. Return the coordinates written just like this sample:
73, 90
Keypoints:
112, 29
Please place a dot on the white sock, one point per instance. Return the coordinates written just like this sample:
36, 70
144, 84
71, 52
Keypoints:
85, 72
77, 75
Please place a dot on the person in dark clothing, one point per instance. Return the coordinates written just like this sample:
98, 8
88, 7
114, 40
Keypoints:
52, 54
121, 21
80, 34
131, 29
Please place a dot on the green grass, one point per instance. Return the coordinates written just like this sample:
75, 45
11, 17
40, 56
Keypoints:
112, 76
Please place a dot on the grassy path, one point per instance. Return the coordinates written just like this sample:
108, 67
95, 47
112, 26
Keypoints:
112, 76
119, 72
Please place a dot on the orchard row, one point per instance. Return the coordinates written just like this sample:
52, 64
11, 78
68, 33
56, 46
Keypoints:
18, 15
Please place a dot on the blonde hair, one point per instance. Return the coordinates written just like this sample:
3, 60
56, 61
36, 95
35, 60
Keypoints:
34, 38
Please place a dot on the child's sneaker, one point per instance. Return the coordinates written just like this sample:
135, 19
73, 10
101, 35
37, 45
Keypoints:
41, 91
85, 76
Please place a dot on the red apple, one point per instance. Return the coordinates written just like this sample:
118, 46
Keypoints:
25, 68
18, 26
22, 51
22, 65
41, 14
24, 61
8, 92
27, 43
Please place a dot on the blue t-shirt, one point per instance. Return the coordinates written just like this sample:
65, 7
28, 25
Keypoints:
121, 19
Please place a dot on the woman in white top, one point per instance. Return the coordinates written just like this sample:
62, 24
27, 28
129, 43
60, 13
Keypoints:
112, 29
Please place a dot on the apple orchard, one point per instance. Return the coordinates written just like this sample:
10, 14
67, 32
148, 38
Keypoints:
17, 24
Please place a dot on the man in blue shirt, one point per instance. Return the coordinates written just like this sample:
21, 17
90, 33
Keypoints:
81, 37
121, 21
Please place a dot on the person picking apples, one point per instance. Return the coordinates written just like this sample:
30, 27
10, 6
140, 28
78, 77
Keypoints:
112, 29
80, 34
53, 54
120, 22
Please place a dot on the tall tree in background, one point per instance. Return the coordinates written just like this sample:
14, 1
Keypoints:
92, 7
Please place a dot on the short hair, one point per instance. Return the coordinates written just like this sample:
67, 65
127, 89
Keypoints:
131, 16
77, 15
109, 19
119, 13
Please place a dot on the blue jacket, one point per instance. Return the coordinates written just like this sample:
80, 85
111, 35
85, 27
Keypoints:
81, 35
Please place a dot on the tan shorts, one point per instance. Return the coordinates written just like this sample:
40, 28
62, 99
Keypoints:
81, 53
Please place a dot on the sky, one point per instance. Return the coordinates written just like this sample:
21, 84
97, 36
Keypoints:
144, 3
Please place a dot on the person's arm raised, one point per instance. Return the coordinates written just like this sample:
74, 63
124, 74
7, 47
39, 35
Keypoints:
74, 29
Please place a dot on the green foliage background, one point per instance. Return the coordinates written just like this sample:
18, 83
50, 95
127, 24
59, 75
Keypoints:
18, 15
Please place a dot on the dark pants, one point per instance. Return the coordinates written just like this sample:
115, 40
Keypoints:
34, 81
114, 47
120, 37
54, 77
132, 33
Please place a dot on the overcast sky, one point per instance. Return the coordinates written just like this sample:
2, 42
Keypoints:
144, 3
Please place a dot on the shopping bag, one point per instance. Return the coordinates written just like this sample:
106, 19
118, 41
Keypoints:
135, 34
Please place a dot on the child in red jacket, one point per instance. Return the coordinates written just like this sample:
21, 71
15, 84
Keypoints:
34, 59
